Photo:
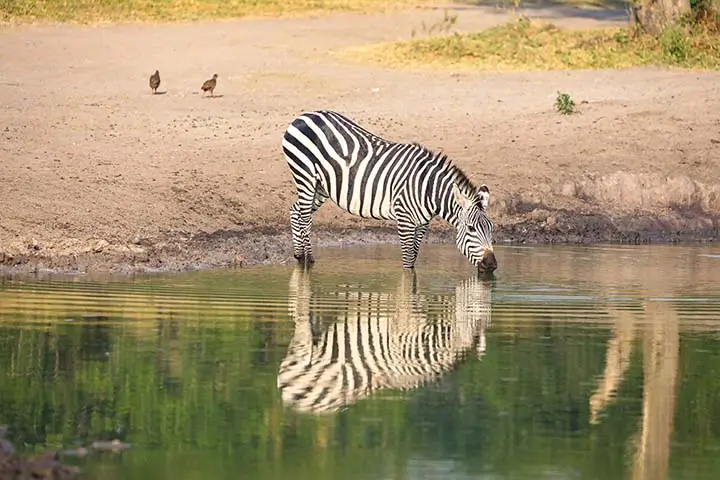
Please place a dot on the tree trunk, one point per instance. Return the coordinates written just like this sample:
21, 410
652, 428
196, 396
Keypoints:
709, 11
653, 16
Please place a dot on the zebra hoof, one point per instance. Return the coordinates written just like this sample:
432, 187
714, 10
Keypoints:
305, 259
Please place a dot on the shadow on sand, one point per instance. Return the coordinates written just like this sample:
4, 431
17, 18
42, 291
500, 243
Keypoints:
608, 11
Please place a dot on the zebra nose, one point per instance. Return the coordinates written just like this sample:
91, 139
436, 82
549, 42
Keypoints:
488, 263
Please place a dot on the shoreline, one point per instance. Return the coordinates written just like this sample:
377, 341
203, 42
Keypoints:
273, 246
103, 176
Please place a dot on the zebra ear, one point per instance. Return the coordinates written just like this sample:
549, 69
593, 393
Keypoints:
484, 194
460, 197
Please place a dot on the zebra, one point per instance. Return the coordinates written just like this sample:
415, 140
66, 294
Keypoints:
331, 156
377, 341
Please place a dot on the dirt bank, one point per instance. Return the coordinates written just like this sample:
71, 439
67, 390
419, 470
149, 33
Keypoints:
98, 174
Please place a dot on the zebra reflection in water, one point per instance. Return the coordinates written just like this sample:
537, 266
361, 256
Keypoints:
377, 341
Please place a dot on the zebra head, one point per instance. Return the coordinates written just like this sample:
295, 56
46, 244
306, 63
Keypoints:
474, 228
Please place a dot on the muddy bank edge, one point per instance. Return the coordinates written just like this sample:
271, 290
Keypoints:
266, 246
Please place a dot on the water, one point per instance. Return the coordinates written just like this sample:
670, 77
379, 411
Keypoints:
574, 362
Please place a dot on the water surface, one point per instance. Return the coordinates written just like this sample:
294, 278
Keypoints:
573, 362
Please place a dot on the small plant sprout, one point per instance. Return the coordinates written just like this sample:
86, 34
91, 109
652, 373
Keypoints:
564, 104
442, 26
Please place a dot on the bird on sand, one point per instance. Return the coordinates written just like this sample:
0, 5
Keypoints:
210, 85
155, 81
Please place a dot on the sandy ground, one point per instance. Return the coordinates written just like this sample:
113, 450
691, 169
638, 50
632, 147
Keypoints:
97, 173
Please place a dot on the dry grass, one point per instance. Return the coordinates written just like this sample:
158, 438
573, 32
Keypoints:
525, 45
98, 11
585, 4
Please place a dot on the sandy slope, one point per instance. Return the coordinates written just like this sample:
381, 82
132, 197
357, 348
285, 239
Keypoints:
96, 172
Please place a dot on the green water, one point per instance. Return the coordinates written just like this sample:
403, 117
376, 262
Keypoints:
572, 363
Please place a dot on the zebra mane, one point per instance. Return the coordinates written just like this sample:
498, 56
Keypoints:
463, 182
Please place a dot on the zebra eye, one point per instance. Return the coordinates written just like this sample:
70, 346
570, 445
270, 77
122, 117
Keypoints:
470, 228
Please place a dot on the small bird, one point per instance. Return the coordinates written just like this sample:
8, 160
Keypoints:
210, 85
155, 81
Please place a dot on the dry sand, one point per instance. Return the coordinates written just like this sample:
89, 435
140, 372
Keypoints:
96, 173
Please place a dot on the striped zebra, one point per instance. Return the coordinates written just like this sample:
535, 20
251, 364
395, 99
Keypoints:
331, 156
377, 340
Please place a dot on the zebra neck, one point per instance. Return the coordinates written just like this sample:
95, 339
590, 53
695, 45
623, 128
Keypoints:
449, 209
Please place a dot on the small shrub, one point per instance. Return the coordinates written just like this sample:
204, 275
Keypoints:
564, 104
442, 26
675, 45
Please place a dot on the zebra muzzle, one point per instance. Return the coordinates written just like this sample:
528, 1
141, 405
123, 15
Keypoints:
488, 262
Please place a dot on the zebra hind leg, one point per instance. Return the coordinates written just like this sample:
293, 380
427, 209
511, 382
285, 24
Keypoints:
309, 258
300, 221
301, 215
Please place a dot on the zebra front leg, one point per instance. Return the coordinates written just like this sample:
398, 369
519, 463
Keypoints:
420, 232
410, 238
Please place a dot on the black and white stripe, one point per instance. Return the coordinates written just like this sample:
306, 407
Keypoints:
331, 156
378, 341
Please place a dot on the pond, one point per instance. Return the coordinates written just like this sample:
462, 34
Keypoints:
592, 362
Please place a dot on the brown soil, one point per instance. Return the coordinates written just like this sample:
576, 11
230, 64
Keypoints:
46, 465
98, 174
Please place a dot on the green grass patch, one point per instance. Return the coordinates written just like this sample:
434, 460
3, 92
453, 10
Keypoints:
525, 45
99, 11
564, 104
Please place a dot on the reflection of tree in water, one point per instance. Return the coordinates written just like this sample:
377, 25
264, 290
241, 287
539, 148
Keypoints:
660, 335
89, 341
169, 352
95, 339
376, 340
44, 358
265, 328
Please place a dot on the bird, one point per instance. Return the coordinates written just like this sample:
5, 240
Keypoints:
155, 81
210, 85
